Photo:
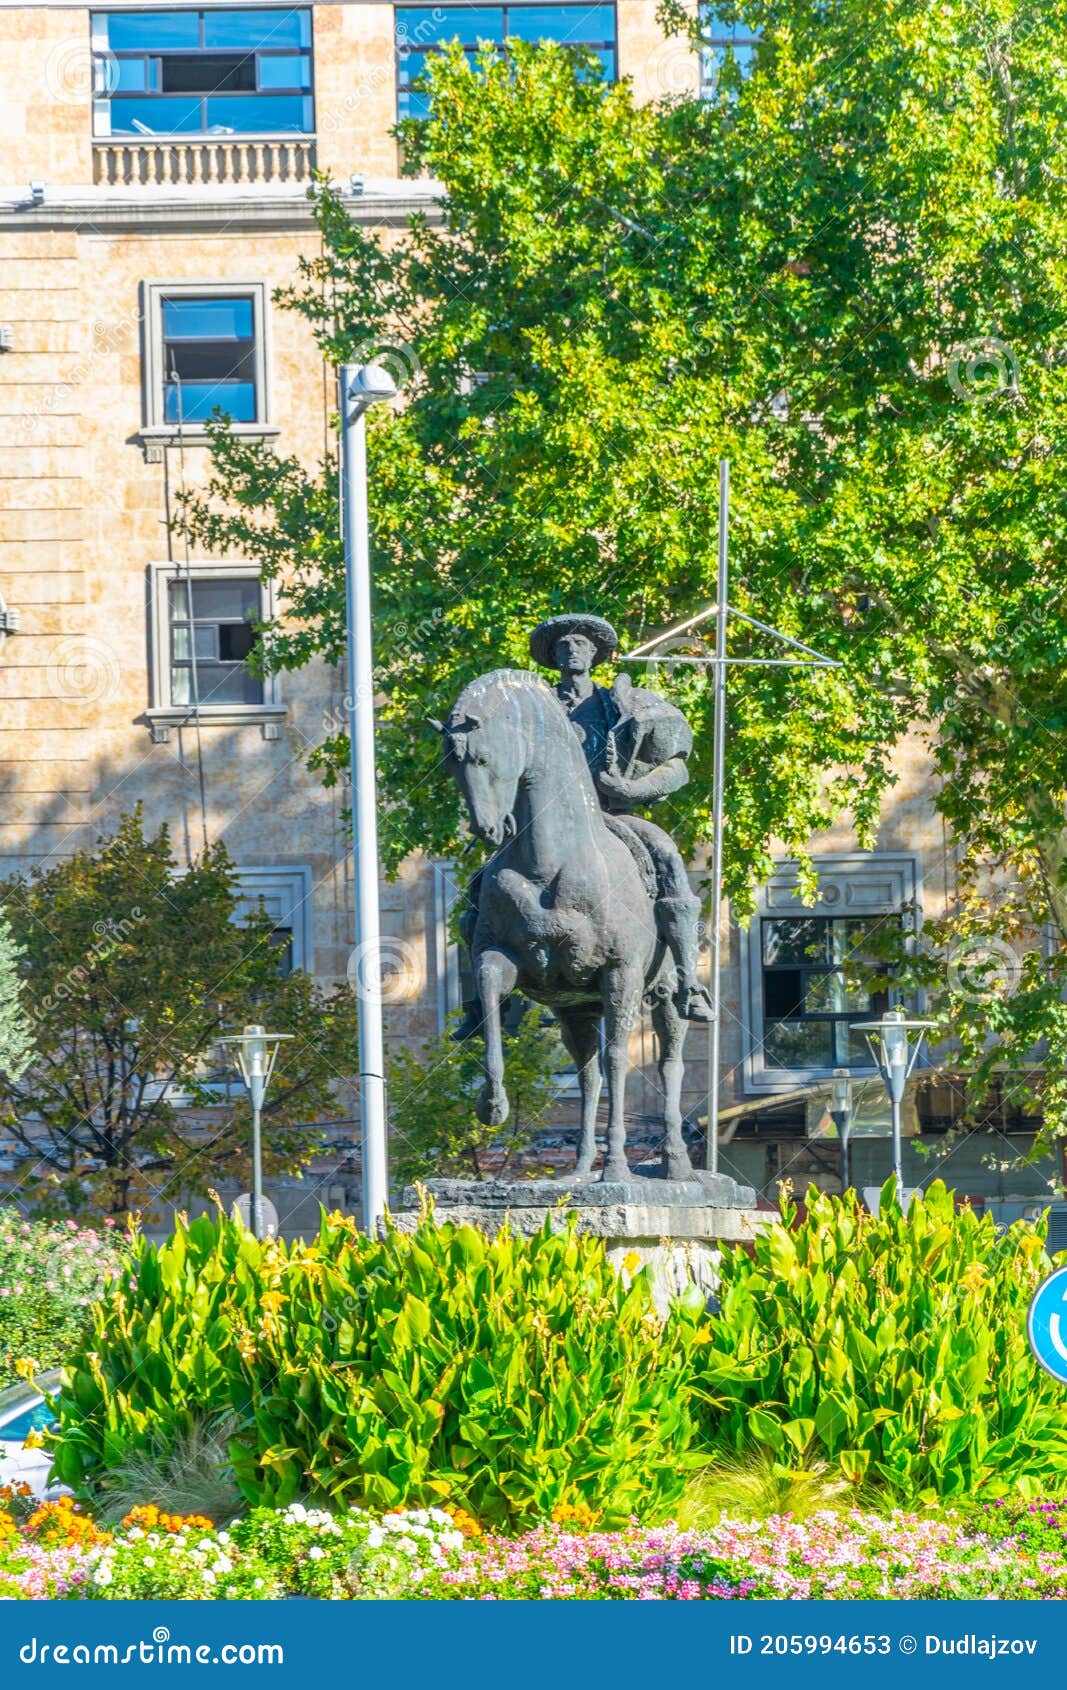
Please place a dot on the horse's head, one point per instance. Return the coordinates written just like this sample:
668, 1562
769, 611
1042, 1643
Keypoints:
486, 752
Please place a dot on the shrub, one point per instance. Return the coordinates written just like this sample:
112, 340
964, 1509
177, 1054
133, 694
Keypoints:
158, 1362
49, 1276
893, 1346
507, 1375
433, 1129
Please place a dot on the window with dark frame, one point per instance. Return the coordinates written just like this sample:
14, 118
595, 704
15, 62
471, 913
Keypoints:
819, 977
194, 72
421, 30
222, 635
209, 358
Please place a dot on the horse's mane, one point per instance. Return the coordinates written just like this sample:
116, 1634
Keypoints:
526, 685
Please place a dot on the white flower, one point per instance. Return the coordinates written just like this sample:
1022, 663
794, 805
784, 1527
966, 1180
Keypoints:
224, 1564
149, 1561
316, 1553
222, 1537
297, 1512
451, 1540
208, 1576
102, 1574
205, 1543
375, 1538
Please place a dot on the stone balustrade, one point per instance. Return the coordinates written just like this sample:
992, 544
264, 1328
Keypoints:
171, 162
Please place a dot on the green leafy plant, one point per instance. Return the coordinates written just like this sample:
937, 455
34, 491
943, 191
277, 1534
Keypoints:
893, 1347
50, 1274
433, 1128
158, 1361
510, 1375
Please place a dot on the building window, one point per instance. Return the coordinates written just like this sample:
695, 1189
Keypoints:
818, 979
719, 40
209, 358
421, 30
814, 971
204, 632
205, 353
212, 637
285, 896
192, 72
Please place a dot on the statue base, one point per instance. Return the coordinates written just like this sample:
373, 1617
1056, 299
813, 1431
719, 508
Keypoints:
676, 1226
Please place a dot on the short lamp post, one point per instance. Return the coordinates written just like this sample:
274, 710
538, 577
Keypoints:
894, 1056
841, 1116
253, 1053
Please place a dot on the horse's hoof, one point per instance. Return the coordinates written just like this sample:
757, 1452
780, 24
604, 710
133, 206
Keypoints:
582, 1171
678, 1166
492, 1107
615, 1171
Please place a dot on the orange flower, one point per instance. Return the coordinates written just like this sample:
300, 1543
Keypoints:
62, 1522
151, 1518
463, 1522
577, 1516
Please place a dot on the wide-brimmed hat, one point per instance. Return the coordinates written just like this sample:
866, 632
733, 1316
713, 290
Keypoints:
547, 635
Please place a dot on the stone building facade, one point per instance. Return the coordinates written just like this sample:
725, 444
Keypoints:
154, 167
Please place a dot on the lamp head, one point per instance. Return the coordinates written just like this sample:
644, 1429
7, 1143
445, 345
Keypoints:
842, 1091
365, 385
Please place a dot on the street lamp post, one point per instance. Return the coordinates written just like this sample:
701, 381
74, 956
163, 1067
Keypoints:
841, 1115
360, 387
253, 1053
894, 1057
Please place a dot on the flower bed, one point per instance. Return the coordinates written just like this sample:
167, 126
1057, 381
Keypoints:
56, 1551
50, 1274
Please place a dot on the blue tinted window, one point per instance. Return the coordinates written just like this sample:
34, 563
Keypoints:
128, 76
198, 62
152, 32
418, 26
562, 23
285, 70
420, 30
155, 117
197, 400
207, 319
259, 114
252, 30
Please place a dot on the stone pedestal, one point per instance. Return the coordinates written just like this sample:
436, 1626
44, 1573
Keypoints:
676, 1225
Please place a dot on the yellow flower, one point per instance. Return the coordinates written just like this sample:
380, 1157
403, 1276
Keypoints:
631, 1261
975, 1278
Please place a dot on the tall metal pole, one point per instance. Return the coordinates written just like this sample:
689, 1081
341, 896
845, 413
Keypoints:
357, 392
718, 777
257, 1165
898, 1155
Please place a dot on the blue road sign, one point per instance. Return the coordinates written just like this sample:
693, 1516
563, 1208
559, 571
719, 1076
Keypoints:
1046, 1324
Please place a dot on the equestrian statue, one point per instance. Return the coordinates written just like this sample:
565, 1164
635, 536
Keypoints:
584, 906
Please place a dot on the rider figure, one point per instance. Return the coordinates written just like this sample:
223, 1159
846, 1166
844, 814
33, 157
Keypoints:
636, 744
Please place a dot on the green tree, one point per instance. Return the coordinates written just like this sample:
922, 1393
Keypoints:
134, 971
843, 271
16, 1038
433, 1129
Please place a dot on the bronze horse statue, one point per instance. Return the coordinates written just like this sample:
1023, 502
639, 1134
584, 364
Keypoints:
565, 908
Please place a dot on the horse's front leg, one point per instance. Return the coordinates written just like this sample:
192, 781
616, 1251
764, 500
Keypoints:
623, 993
496, 976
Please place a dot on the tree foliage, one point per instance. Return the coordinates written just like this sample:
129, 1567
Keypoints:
433, 1129
16, 1038
844, 272
134, 970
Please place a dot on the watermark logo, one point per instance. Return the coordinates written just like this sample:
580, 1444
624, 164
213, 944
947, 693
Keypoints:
983, 369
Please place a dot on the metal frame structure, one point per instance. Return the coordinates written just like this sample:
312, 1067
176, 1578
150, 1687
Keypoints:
720, 661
